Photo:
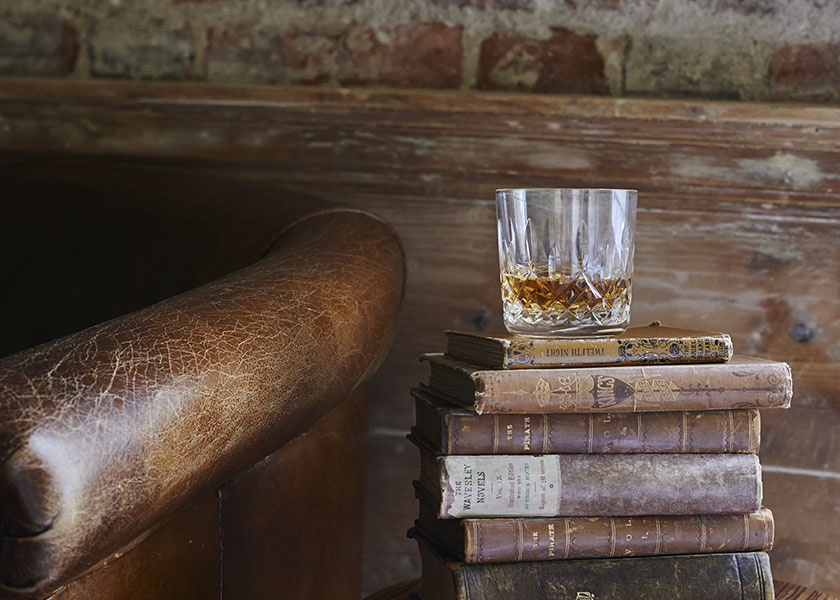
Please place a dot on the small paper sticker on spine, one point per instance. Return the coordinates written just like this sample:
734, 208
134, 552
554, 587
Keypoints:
486, 486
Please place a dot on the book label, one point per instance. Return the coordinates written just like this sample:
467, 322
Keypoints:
501, 485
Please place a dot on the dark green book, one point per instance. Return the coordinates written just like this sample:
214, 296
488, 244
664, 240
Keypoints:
731, 576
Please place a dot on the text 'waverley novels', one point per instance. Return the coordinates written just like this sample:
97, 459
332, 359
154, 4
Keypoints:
613, 467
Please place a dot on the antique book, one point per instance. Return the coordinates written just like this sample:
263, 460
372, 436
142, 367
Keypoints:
560, 538
572, 485
743, 382
720, 576
453, 430
653, 344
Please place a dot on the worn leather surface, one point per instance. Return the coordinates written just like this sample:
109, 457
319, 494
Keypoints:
106, 431
178, 560
293, 521
276, 526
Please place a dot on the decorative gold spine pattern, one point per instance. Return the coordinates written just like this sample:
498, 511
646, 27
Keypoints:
635, 346
743, 382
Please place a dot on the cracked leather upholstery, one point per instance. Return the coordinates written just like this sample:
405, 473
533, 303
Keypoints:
105, 432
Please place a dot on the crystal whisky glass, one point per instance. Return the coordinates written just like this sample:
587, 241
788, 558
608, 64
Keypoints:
566, 260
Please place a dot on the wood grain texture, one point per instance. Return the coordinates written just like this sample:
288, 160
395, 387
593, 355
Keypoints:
790, 591
805, 509
393, 463
739, 207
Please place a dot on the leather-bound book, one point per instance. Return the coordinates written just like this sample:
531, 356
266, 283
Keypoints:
563, 538
453, 430
743, 382
567, 485
649, 345
724, 576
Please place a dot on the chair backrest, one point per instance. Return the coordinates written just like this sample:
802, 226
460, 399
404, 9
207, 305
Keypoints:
83, 242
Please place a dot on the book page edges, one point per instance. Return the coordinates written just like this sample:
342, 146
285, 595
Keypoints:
788, 385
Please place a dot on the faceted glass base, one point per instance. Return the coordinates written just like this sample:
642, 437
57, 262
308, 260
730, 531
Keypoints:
562, 304
572, 331
601, 319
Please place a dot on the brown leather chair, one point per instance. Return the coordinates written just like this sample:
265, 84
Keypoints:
209, 442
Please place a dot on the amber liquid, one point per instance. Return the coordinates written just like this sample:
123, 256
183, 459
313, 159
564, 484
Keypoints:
578, 295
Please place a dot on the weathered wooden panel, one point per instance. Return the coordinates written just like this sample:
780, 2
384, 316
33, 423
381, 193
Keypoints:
807, 518
432, 142
390, 556
738, 217
790, 591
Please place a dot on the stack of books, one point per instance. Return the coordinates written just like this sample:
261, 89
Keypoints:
594, 468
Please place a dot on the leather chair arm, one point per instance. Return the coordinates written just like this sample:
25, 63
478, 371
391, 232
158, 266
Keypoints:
105, 432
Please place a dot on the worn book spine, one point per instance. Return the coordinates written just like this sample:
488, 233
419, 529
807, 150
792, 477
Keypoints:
457, 431
740, 383
515, 352
515, 540
724, 576
567, 485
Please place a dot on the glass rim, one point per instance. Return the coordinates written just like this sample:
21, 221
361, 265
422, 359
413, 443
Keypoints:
498, 190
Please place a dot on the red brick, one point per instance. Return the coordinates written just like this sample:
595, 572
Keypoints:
407, 55
37, 44
567, 62
487, 4
248, 54
806, 72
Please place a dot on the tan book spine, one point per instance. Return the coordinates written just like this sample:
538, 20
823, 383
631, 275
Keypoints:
513, 540
728, 385
741, 383
731, 431
595, 485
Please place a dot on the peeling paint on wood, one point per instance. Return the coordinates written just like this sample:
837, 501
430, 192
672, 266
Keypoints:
737, 230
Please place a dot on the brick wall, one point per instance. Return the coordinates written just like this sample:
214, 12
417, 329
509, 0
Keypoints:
724, 49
